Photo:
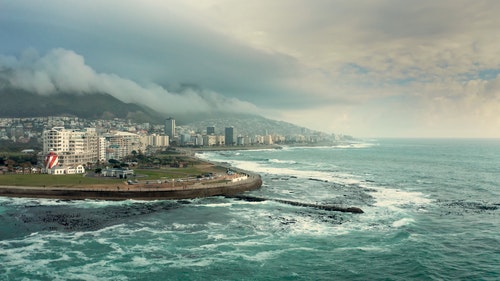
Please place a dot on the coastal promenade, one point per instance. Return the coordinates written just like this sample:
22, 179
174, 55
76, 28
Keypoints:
155, 190
224, 185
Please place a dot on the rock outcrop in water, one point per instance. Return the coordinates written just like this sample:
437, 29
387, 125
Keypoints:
325, 207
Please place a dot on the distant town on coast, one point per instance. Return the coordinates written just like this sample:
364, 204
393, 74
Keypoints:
70, 145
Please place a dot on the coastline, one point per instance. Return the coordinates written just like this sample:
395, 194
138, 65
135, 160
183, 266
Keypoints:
137, 192
156, 190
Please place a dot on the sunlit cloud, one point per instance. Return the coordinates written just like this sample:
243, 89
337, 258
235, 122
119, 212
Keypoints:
384, 67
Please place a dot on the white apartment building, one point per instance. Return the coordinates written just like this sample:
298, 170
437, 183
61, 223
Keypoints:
213, 140
74, 147
160, 141
268, 139
209, 140
102, 149
153, 141
120, 144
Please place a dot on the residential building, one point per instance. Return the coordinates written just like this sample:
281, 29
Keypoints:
102, 149
209, 140
74, 147
170, 128
185, 139
241, 141
120, 144
229, 136
211, 130
197, 139
153, 140
268, 139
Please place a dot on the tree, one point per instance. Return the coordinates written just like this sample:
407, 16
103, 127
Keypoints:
114, 162
26, 167
10, 164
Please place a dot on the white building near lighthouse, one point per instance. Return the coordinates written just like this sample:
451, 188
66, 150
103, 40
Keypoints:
74, 148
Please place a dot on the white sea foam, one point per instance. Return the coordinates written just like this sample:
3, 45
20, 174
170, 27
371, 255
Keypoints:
344, 178
259, 256
402, 222
278, 161
353, 145
389, 207
395, 198
218, 205
364, 249
12, 201
88, 203
268, 167
308, 226
217, 236
140, 261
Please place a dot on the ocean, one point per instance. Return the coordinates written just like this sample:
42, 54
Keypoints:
431, 212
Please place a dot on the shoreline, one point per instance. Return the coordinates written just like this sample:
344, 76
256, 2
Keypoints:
137, 192
156, 190
233, 186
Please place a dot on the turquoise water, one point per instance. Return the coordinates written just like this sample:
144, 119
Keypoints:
431, 213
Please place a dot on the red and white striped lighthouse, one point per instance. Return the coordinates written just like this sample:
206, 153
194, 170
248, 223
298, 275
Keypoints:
51, 160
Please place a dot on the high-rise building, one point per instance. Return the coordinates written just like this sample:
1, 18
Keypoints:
268, 139
170, 128
74, 147
229, 136
120, 144
185, 139
240, 140
211, 130
160, 141
102, 149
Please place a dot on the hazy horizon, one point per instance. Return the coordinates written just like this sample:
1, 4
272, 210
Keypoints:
384, 68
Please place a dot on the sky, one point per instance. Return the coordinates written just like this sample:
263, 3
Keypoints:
374, 68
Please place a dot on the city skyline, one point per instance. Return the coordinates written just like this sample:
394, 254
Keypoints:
369, 69
118, 137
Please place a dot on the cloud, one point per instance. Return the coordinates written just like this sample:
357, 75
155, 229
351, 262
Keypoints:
161, 42
394, 67
64, 71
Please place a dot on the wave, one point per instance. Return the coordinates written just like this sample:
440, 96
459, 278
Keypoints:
397, 199
87, 203
402, 222
278, 161
353, 145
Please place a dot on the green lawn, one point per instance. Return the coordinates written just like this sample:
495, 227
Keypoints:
50, 180
172, 173
69, 180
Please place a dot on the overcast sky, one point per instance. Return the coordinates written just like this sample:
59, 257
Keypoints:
375, 68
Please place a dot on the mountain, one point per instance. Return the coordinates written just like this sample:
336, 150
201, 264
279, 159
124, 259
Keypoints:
250, 125
20, 103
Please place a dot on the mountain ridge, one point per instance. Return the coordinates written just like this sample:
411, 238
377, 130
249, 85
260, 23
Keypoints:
17, 103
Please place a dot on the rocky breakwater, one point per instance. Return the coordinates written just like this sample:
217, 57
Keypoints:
229, 185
